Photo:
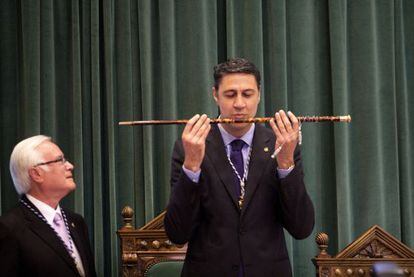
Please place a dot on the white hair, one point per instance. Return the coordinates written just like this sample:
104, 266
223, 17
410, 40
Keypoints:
23, 157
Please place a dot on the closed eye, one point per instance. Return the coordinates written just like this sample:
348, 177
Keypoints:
248, 93
230, 94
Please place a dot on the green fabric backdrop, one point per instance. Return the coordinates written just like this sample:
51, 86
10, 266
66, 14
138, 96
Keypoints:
74, 69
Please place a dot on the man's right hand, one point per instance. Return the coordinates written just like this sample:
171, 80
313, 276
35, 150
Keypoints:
194, 141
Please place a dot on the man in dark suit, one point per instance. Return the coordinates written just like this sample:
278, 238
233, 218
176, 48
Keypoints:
38, 237
229, 199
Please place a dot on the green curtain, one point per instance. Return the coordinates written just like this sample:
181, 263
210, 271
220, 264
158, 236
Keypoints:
74, 69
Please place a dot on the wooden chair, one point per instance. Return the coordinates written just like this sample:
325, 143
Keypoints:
375, 245
143, 248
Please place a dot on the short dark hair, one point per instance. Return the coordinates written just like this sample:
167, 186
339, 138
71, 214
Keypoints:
235, 65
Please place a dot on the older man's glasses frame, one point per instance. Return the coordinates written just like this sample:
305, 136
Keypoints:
59, 159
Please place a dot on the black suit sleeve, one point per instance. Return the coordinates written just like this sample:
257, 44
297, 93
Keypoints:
183, 208
9, 252
296, 208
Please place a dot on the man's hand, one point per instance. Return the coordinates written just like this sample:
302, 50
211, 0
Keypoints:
286, 129
194, 141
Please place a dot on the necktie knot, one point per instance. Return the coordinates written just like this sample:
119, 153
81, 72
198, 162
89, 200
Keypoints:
57, 219
237, 145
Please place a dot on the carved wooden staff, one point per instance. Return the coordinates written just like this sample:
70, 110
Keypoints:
344, 118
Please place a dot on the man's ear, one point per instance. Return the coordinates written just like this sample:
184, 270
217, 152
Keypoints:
259, 94
35, 175
215, 94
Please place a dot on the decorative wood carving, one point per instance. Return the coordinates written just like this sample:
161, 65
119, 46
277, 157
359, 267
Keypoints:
376, 249
375, 245
143, 247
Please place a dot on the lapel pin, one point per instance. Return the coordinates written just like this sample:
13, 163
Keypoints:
266, 149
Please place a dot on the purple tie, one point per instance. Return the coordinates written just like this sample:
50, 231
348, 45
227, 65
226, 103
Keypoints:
63, 233
236, 158
61, 230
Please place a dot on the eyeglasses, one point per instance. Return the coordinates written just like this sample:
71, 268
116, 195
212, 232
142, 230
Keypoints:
61, 159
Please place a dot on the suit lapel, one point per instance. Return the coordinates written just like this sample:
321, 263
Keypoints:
259, 159
75, 232
46, 233
216, 153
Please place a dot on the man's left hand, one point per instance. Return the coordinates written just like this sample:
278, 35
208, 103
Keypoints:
286, 128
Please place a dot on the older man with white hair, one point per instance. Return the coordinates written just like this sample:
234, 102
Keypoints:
39, 237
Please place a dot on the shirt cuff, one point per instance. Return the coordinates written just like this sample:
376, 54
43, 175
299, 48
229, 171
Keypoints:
284, 172
193, 176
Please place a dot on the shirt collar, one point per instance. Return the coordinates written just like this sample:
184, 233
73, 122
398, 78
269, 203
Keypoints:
47, 211
228, 138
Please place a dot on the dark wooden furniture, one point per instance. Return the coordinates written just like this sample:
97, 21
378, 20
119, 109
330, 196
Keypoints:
141, 248
375, 245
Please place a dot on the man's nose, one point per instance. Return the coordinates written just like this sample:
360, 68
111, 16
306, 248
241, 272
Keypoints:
69, 166
239, 101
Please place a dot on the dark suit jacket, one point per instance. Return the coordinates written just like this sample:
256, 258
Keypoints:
219, 235
30, 247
